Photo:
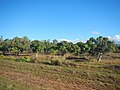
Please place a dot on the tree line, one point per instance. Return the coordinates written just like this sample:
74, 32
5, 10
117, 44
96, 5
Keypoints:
93, 46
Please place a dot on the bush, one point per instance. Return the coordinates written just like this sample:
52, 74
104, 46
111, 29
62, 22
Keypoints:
24, 59
59, 62
2, 56
56, 62
7, 57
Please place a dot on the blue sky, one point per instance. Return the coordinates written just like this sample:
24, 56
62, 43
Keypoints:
60, 19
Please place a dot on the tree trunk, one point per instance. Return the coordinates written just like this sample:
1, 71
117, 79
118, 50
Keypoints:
4, 52
36, 55
99, 57
18, 53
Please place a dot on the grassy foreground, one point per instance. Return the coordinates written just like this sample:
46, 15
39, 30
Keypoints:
103, 75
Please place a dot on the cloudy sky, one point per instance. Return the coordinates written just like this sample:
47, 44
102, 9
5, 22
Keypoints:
71, 20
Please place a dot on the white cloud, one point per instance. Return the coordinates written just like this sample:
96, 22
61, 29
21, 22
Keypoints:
73, 41
109, 37
78, 40
115, 38
59, 40
95, 32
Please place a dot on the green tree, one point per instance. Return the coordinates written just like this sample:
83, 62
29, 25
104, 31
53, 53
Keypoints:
4, 46
84, 48
1, 39
104, 45
55, 41
37, 47
18, 45
25, 44
62, 47
47, 46
92, 45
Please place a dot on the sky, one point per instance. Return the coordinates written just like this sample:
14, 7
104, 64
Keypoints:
71, 20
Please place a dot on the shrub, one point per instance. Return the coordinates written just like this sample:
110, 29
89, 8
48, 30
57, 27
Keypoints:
7, 57
59, 62
24, 59
56, 62
2, 56
27, 59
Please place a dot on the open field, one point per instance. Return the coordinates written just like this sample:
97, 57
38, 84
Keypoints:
103, 75
59, 44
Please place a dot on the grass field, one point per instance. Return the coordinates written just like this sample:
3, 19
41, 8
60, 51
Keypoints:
93, 75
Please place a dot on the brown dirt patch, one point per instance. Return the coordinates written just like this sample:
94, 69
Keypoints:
44, 83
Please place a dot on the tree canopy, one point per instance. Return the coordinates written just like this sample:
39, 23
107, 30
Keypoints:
93, 46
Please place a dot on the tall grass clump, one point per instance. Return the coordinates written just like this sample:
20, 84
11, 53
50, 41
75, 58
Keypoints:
7, 57
24, 59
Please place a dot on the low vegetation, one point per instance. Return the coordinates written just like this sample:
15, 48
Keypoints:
57, 74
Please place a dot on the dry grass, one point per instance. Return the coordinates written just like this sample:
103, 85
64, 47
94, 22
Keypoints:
71, 75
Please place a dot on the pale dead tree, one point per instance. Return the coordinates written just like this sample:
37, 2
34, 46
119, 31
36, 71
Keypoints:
99, 56
36, 55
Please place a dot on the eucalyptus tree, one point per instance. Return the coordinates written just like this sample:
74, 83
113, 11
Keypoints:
62, 47
4, 46
47, 46
104, 45
1, 39
84, 48
26, 44
75, 49
55, 41
53, 49
37, 47
18, 45
92, 45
